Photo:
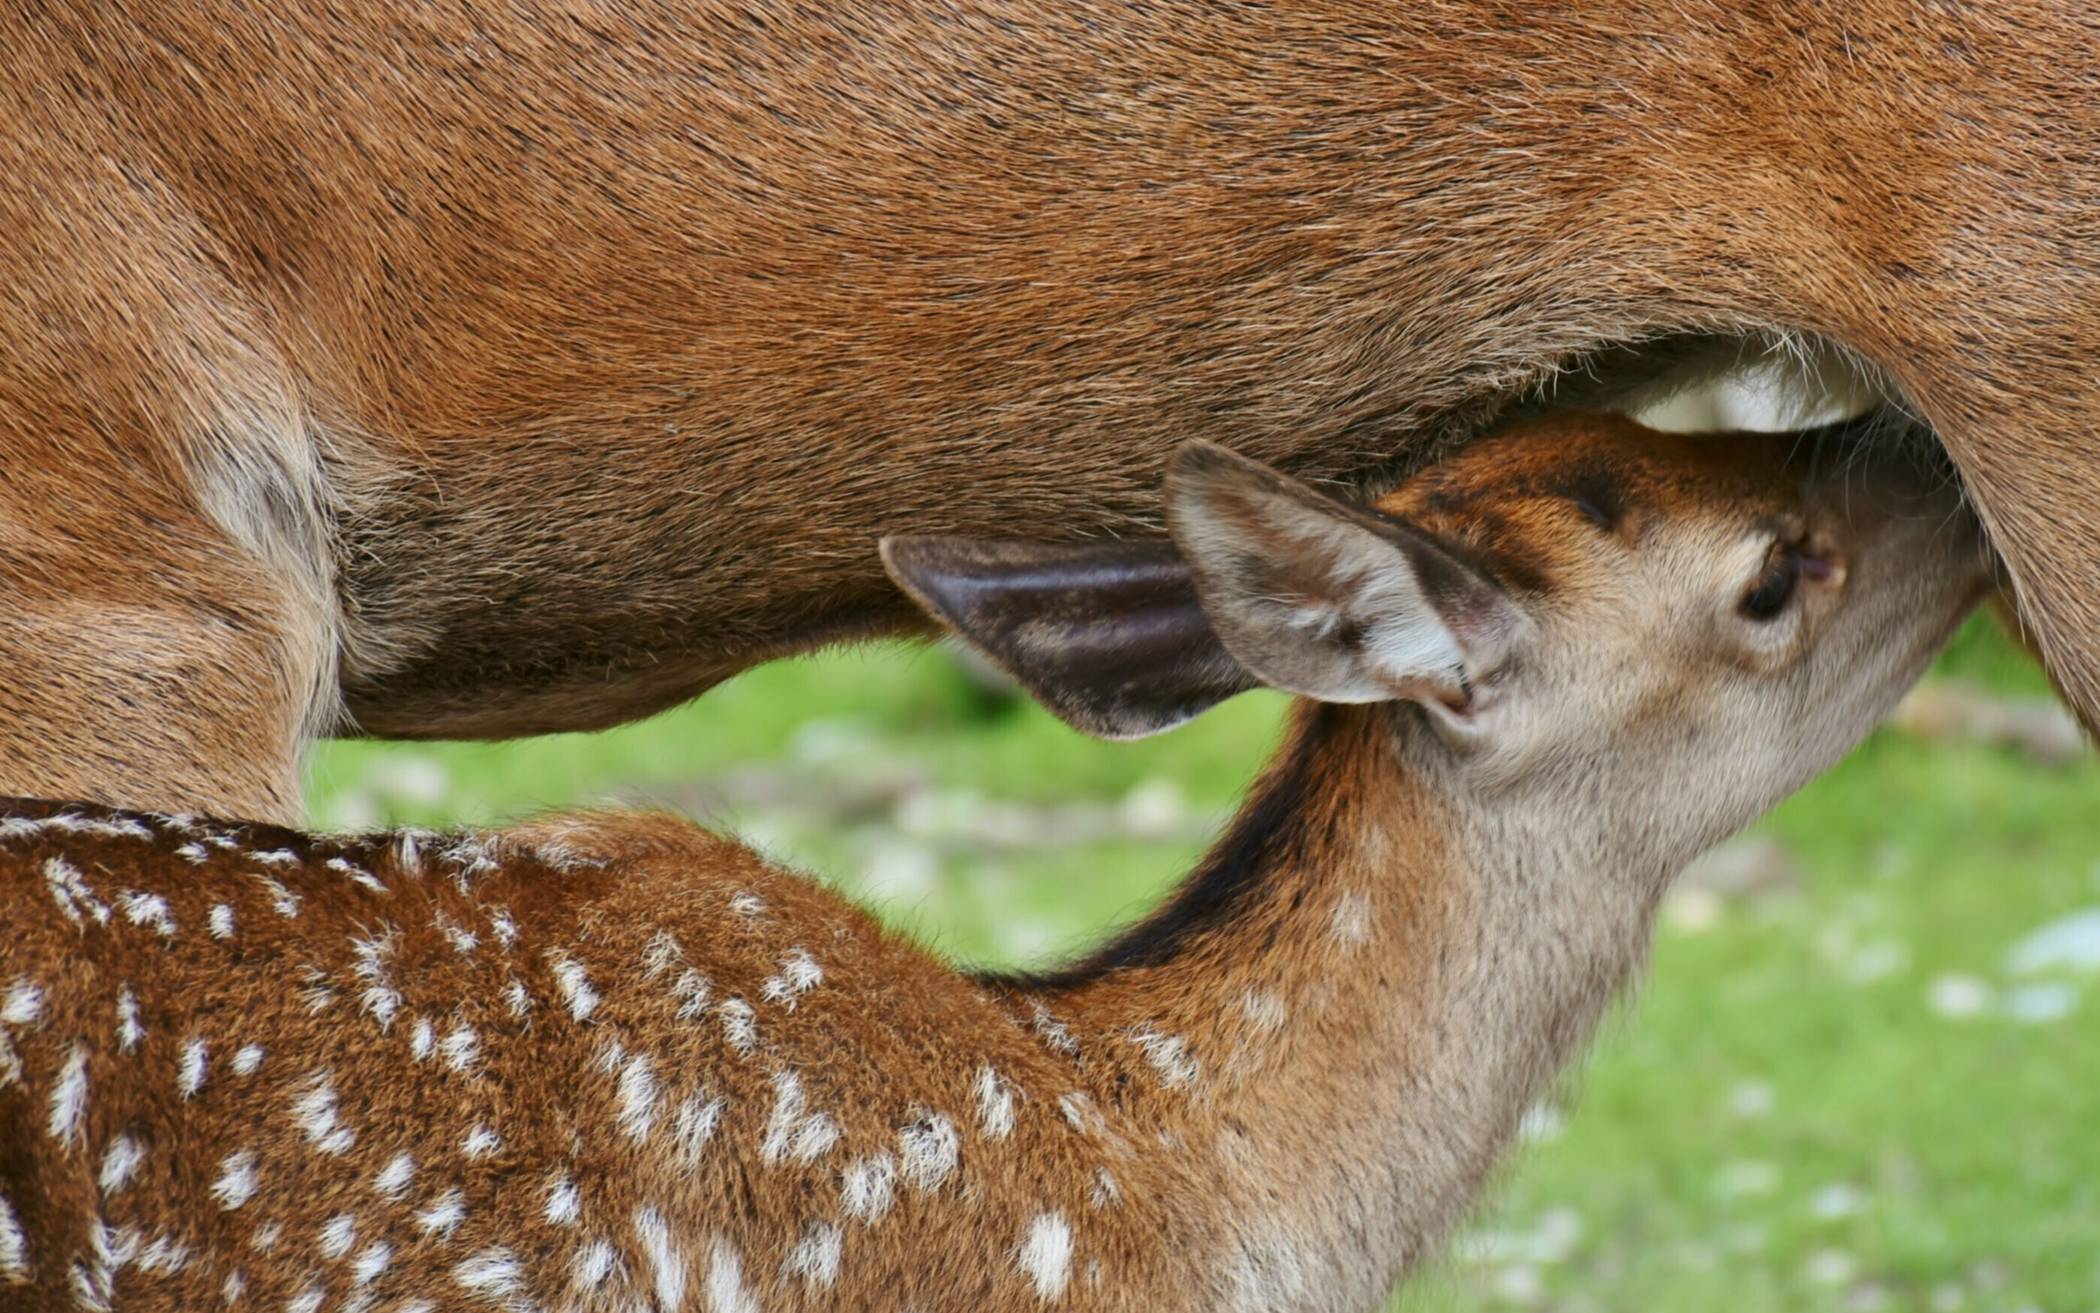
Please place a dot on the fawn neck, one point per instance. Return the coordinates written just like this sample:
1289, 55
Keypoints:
1357, 997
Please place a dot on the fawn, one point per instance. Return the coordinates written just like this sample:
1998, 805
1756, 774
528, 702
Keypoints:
454, 369
617, 1062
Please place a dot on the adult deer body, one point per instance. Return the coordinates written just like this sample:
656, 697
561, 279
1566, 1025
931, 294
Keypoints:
617, 1062
479, 373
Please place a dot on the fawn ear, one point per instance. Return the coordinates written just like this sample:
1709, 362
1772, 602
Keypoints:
1330, 600
1108, 635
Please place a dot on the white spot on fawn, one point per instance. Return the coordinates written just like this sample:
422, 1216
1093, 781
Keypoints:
338, 1234
422, 1038
166, 1254
739, 1025
870, 1187
235, 1284
1352, 920
149, 910
358, 875
564, 1202
1046, 1254
725, 1281
815, 1257
221, 921
691, 990
789, 1133
461, 1046
246, 1059
370, 1262
463, 940
14, 1245
747, 905
660, 955
594, 1262
693, 1126
72, 894
120, 1162
445, 1212
575, 986
637, 1094
1103, 1192
480, 1142
493, 1273
275, 857
282, 899
666, 1266
995, 1104
189, 1077
129, 1031
23, 1005
799, 973
1169, 1056
392, 1180
69, 1096
316, 1115
1054, 1033
928, 1148
517, 998
236, 1183
380, 998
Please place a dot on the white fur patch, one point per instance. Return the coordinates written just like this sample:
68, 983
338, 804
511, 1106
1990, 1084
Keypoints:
23, 1005
928, 1150
564, 1202
236, 1183
725, 1281
69, 1097
1046, 1254
575, 985
637, 1097
995, 1104
815, 1257
120, 1162
393, 1179
666, 1264
189, 1076
494, 1274
14, 1244
869, 1187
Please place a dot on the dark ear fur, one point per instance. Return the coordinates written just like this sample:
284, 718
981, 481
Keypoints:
1107, 635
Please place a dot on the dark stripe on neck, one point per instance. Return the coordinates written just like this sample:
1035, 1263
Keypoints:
1272, 831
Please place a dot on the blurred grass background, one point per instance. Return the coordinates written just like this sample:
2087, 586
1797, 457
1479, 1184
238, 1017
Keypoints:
1863, 1075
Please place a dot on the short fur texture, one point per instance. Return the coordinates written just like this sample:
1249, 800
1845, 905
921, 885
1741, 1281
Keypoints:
616, 1062
483, 374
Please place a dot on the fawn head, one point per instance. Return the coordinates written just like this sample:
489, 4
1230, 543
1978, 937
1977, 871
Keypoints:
1576, 603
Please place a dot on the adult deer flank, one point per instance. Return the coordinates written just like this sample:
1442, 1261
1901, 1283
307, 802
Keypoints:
616, 1062
444, 370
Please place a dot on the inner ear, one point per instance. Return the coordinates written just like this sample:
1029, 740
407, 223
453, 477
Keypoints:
1331, 600
1108, 635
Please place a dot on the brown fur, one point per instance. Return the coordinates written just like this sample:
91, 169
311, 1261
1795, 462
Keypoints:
551, 367
1277, 1093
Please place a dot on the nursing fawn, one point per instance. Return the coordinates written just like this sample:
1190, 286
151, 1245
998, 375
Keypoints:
617, 1062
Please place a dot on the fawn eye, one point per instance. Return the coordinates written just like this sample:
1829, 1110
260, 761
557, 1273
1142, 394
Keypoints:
1774, 588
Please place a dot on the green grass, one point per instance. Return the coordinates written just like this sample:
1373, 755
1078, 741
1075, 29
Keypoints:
1795, 1113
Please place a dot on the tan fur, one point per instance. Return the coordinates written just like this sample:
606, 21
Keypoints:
617, 332
633, 1065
